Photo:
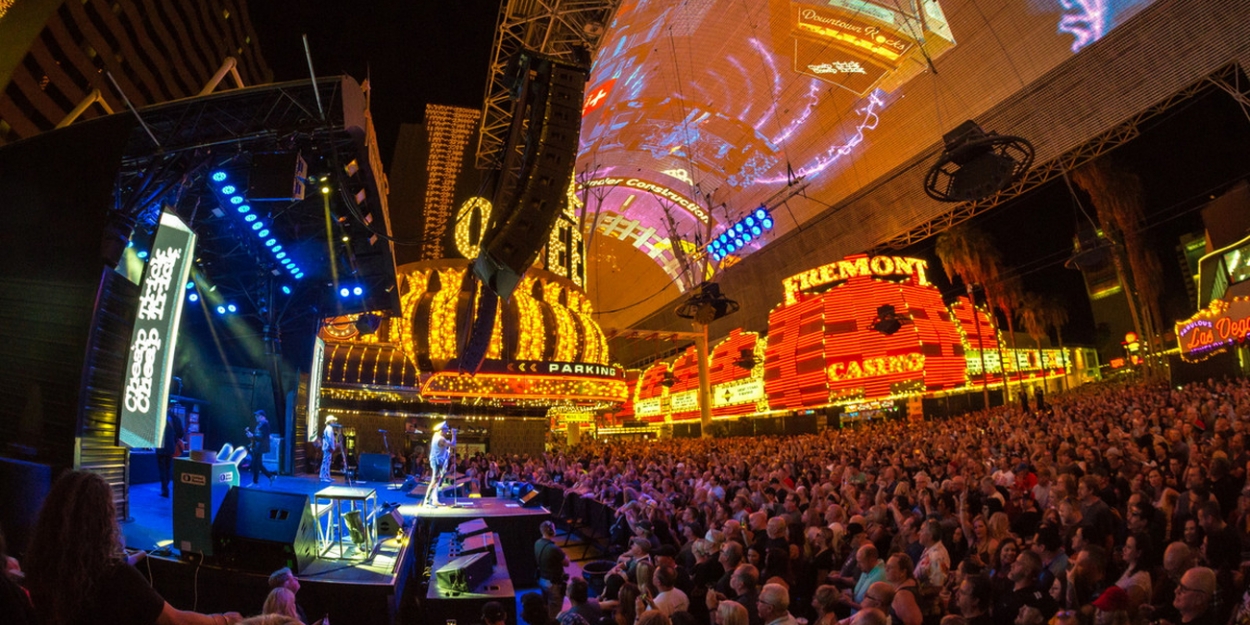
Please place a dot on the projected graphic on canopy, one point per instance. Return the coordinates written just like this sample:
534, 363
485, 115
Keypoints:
697, 113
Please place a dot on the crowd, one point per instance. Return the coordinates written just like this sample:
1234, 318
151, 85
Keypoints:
1112, 505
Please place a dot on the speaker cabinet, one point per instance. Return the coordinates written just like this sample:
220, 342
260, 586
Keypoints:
464, 573
470, 528
481, 543
390, 524
264, 531
375, 467
531, 500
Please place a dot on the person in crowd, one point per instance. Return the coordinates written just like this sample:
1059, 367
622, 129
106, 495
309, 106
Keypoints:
1024, 591
670, 599
872, 570
76, 570
534, 610
1139, 562
774, 605
905, 607
281, 601
284, 578
551, 564
493, 613
1194, 597
580, 601
975, 599
730, 613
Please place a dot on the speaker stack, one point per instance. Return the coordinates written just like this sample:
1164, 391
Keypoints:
264, 531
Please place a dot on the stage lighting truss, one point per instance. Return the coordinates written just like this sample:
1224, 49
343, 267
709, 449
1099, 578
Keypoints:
230, 194
977, 164
740, 233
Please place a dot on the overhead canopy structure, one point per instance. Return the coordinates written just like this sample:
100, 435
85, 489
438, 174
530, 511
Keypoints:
697, 114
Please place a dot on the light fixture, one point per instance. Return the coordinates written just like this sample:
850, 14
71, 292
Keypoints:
236, 199
231, 308
221, 310
228, 189
976, 164
219, 176
243, 208
707, 305
286, 289
344, 292
250, 218
142, 254
194, 297
358, 291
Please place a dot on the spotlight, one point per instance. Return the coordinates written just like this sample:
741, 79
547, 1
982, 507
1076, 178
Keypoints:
738, 228
750, 221
286, 290
358, 291
325, 190
347, 239
299, 275
277, 248
142, 254
258, 225
279, 255
287, 261
760, 213
219, 176
249, 218
190, 285
669, 380
344, 292
231, 308
243, 208
236, 200
193, 298
976, 164
271, 242
768, 223
755, 231
263, 233
888, 321
221, 310
228, 189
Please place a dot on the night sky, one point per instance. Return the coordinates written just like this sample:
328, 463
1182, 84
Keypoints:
413, 51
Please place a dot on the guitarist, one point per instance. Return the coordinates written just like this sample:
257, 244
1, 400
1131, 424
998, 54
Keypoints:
171, 446
258, 446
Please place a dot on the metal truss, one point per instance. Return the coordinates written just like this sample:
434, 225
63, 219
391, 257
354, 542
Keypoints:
559, 28
1227, 78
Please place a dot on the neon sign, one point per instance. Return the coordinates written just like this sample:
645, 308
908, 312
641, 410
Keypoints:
851, 267
1212, 330
656, 189
872, 367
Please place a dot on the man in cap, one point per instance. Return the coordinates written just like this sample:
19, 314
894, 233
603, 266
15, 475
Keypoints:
441, 442
329, 443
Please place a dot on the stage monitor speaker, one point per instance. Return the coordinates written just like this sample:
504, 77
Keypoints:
390, 523
531, 500
375, 467
481, 543
464, 573
264, 531
470, 528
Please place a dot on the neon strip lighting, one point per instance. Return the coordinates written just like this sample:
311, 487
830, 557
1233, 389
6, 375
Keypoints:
837, 151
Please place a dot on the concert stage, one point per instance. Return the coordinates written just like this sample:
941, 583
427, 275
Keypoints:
389, 587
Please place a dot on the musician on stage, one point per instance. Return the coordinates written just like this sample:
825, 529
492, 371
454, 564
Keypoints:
258, 446
329, 443
171, 446
441, 442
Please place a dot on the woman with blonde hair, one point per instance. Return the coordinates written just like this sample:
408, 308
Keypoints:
730, 613
281, 601
826, 598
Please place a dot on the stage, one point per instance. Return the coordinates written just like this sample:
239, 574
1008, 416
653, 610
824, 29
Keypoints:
390, 586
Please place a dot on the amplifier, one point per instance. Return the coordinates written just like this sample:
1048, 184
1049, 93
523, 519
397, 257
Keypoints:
471, 528
464, 573
480, 543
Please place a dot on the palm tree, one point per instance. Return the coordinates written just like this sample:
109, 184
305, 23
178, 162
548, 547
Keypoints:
1007, 295
1117, 195
1032, 313
1056, 316
968, 252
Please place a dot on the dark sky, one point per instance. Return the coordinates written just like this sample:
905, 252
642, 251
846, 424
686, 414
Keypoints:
414, 51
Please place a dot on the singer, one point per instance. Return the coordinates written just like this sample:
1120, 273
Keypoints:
441, 443
258, 446
329, 443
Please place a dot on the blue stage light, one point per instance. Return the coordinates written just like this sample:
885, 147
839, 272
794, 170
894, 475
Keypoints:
299, 275
280, 255
746, 237
358, 291
236, 200
263, 233
258, 225
250, 218
768, 223
739, 243
287, 261
277, 248
221, 310
228, 189
729, 248
286, 289
344, 292
231, 308
760, 213
750, 221
190, 285
194, 297
270, 242
243, 208
142, 254
755, 230
738, 228
219, 176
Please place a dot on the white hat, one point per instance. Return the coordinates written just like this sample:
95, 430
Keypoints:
441, 425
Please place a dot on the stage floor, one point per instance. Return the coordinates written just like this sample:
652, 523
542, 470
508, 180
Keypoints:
150, 526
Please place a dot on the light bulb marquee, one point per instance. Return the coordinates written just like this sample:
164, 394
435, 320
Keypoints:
1214, 329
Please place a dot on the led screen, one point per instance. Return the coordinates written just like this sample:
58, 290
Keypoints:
700, 111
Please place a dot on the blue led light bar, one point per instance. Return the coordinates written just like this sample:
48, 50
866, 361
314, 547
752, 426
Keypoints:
232, 193
738, 234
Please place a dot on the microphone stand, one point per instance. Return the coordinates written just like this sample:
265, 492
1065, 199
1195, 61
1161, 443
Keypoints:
347, 473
